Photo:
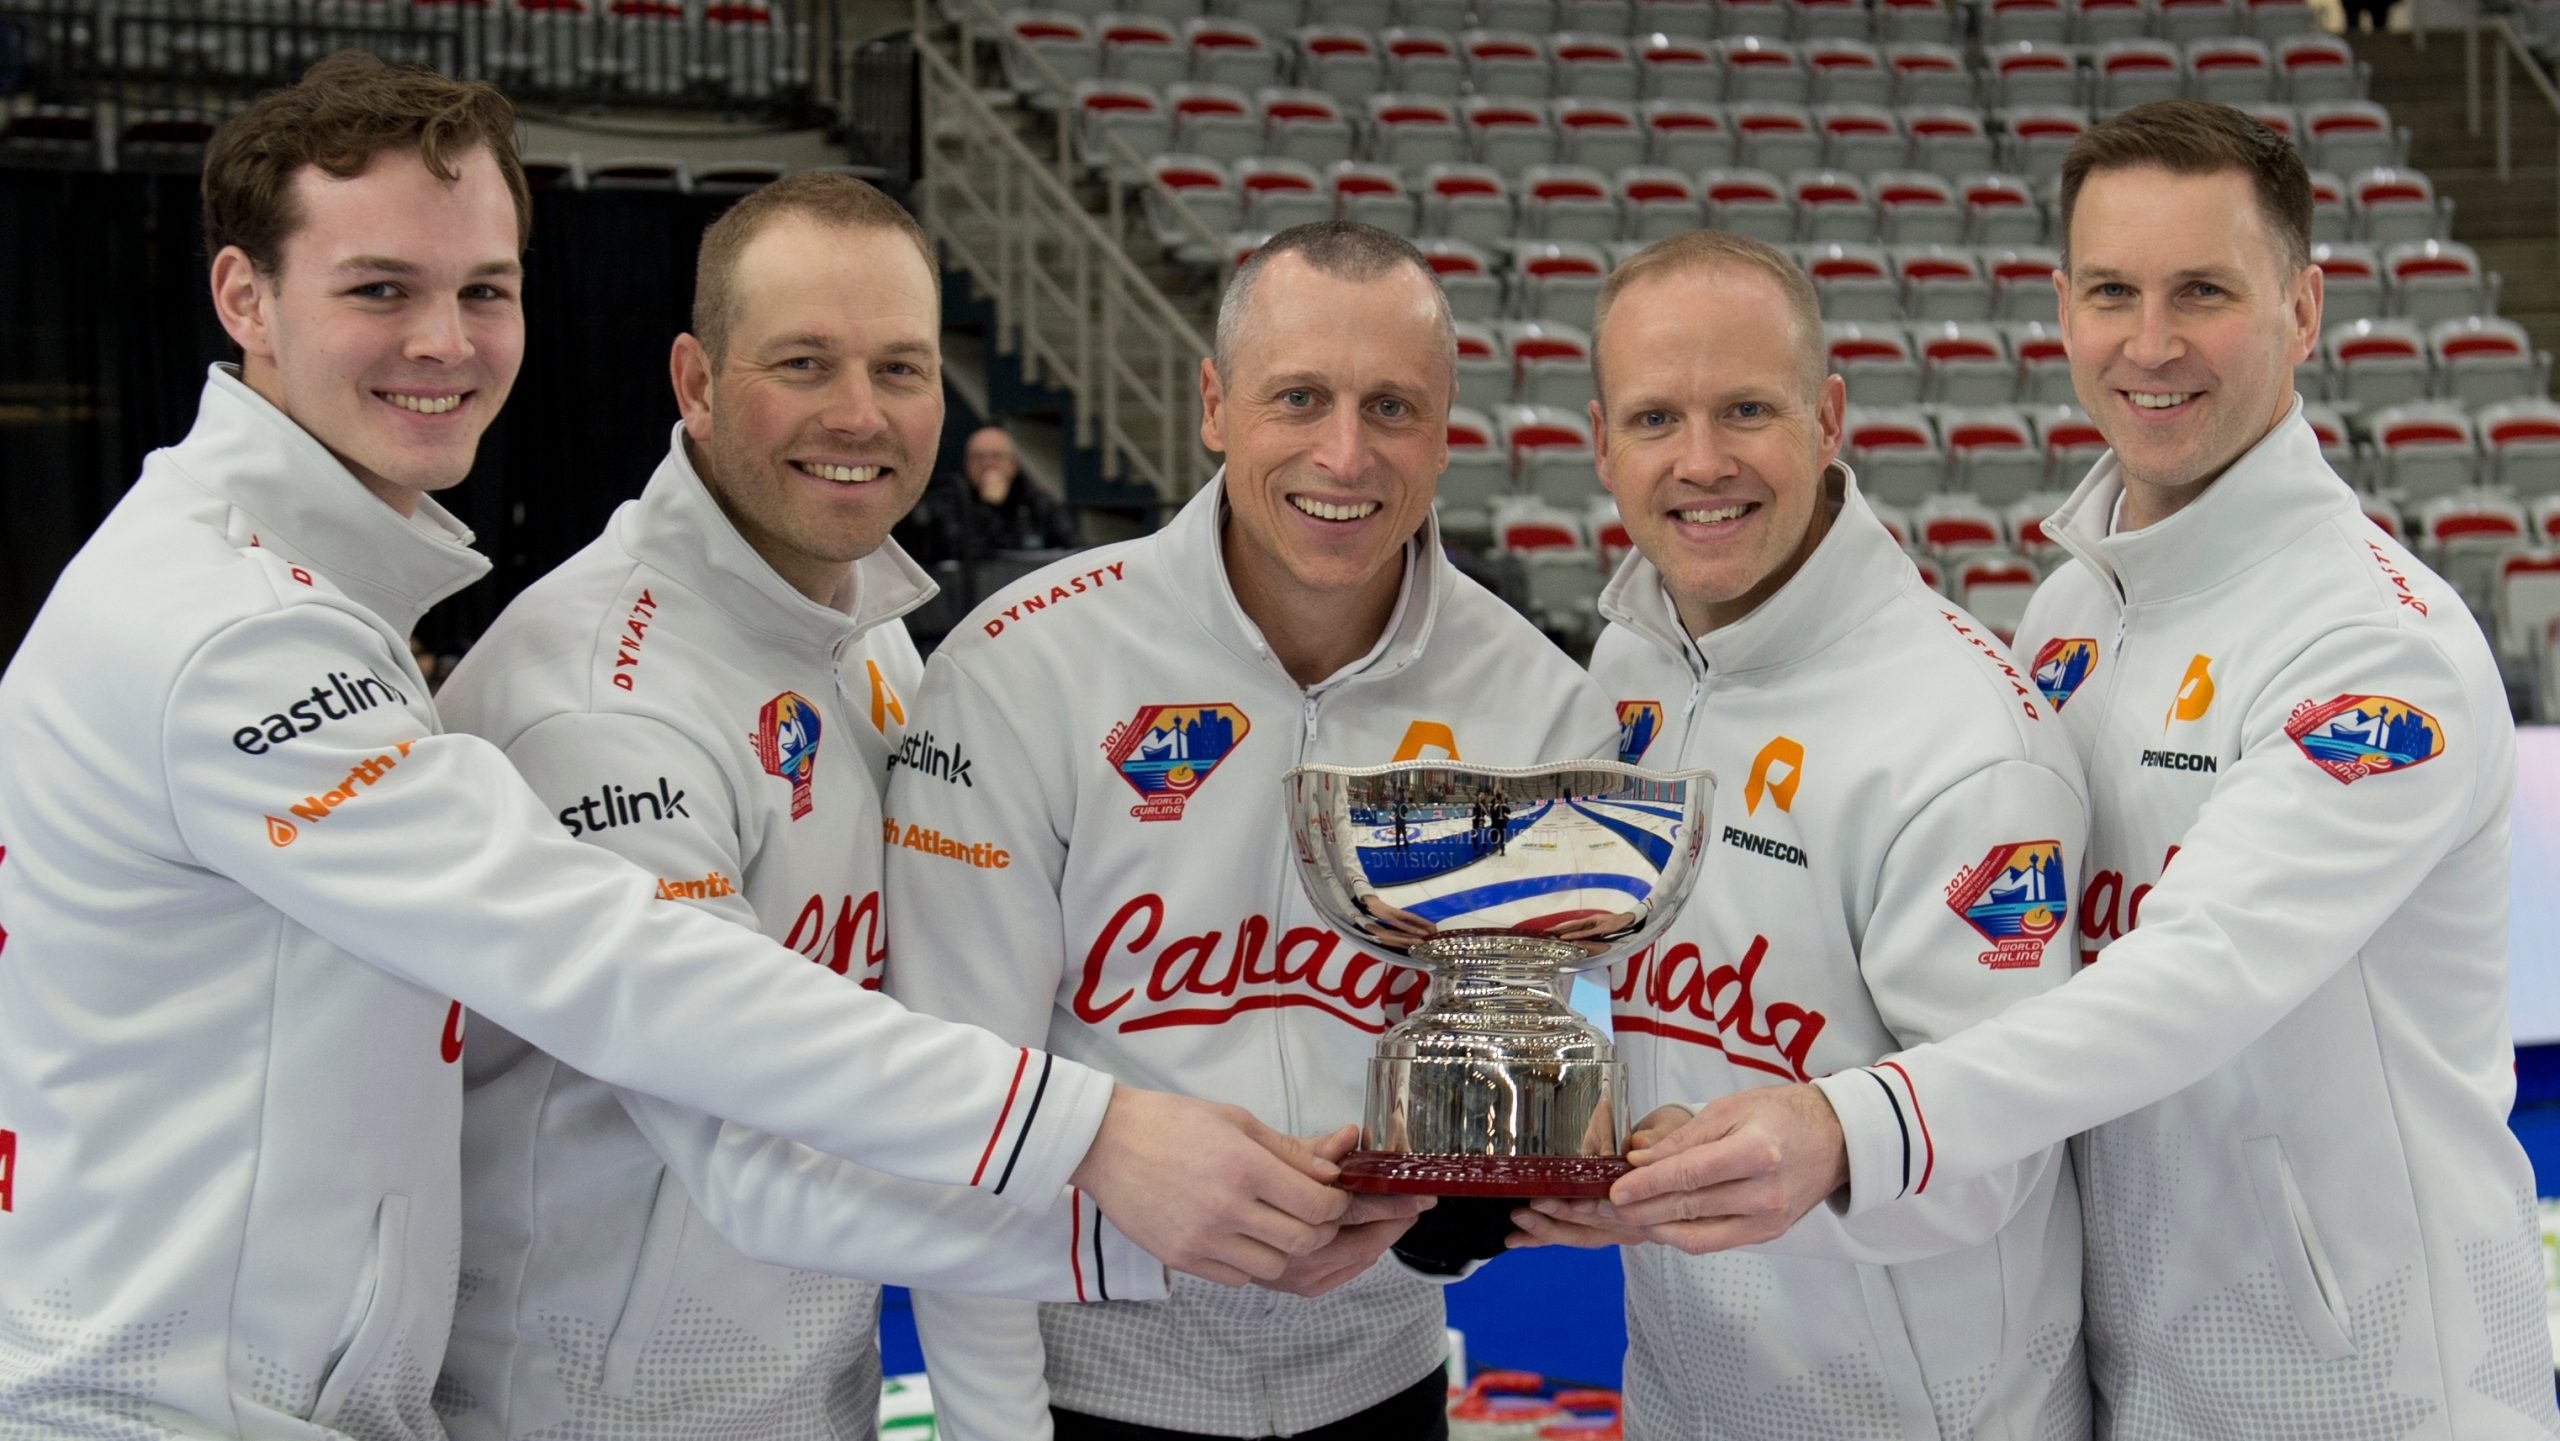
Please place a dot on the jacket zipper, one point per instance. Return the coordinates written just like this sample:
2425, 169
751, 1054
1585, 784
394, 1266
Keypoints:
1279, 899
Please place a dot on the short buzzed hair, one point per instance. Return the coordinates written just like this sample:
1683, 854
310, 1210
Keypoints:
1693, 250
827, 197
2198, 137
1344, 249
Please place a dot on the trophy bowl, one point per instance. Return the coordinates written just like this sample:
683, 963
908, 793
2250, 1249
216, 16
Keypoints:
1501, 883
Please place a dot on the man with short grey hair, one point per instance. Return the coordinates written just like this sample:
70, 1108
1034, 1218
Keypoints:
1128, 716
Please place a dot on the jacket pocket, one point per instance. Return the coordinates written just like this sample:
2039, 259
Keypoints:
2302, 1267
651, 1280
380, 1314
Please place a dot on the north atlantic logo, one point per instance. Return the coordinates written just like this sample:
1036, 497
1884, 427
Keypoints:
1639, 721
2062, 664
1165, 752
2017, 896
2354, 736
786, 739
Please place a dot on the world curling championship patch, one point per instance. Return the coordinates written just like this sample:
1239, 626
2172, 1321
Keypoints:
1639, 721
1165, 752
786, 742
2354, 736
2016, 896
2062, 663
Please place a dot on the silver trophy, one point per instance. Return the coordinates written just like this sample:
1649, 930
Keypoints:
1501, 883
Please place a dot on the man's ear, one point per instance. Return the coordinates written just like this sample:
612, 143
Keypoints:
689, 370
240, 295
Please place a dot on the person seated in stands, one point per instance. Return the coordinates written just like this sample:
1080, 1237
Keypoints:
986, 508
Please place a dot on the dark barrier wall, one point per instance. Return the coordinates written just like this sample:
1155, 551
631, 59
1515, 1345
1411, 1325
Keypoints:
105, 331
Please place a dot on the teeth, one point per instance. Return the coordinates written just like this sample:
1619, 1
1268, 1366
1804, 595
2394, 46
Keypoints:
1711, 517
423, 404
1322, 511
843, 474
2159, 402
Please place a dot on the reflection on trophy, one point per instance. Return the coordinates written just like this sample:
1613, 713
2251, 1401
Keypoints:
1502, 883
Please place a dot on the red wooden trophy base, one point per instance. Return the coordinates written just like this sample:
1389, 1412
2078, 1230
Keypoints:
1503, 1176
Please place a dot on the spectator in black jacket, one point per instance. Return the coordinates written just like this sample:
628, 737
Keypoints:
986, 508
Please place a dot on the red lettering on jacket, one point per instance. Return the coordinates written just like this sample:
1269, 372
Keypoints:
1039, 601
2108, 913
2399, 582
635, 628
1310, 966
2017, 683
832, 946
8, 1170
451, 1046
1677, 983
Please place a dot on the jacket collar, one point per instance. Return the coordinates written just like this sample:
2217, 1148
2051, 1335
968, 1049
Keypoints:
1199, 569
1855, 569
677, 527
2275, 491
304, 504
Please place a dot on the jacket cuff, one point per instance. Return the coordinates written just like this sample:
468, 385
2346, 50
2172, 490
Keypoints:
1888, 1151
1059, 1106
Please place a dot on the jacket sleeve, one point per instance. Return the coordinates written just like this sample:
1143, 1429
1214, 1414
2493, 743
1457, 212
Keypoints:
1932, 973
775, 1201
786, 1205
426, 855
982, 943
2287, 872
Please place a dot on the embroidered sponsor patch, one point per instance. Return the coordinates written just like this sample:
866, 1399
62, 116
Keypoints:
1639, 721
1165, 752
2062, 663
2017, 897
786, 739
2354, 736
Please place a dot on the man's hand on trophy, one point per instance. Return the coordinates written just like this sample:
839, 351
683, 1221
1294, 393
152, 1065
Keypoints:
1207, 1189
1371, 1224
1597, 925
1397, 928
1566, 1221
1737, 1173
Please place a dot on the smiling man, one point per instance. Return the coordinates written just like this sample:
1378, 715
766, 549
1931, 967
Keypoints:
2305, 1215
235, 918
1894, 837
1115, 876
714, 689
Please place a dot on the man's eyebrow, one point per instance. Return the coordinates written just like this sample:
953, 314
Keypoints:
387, 265
2220, 275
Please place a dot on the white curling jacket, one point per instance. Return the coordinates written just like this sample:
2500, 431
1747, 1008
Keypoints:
1116, 881
2305, 1215
241, 903
629, 1266
1893, 855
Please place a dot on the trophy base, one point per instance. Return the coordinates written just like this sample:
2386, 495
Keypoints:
1496, 1176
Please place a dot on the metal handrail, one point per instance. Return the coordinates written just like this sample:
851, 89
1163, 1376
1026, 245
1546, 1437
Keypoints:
1068, 298
1122, 153
2510, 50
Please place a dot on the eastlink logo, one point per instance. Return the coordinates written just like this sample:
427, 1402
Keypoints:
1763, 846
2180, 761
339, 697
918, 753
615, 806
